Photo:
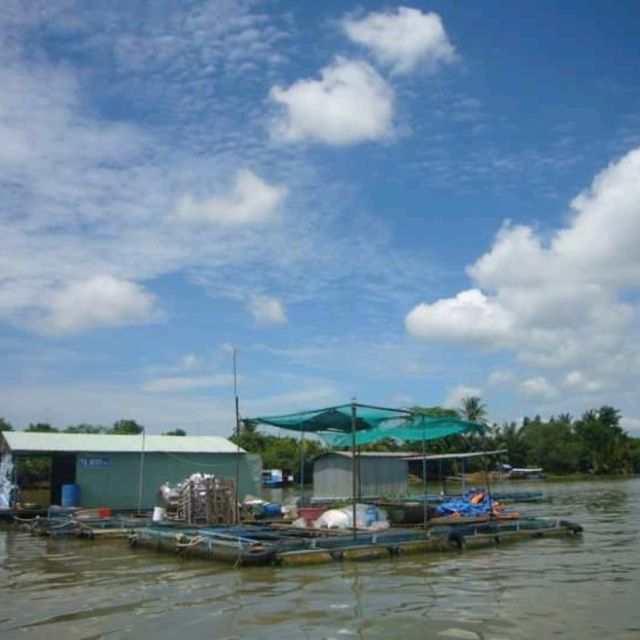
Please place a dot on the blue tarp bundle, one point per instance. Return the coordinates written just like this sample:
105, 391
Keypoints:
463, 506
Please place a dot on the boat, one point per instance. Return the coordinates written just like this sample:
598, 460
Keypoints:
407, 511
274, 478
411, 510
526, 473
81, 523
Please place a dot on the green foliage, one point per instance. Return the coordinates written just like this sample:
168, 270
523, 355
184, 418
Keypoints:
435, 412
473, 409
5, 426
634, 455
34, 470
595, 443
279, 452
551, 446
126, 428
85, 428
509, 437
604, 445
175, 432
41, 427
388, 444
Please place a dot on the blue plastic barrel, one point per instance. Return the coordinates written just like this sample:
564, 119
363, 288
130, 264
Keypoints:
270, 510
70, 495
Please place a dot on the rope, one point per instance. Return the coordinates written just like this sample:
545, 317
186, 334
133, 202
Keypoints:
192, 543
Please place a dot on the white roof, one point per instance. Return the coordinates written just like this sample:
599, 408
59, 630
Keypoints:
19, 441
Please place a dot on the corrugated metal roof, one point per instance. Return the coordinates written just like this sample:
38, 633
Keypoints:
20, 441
455, 456
369, 454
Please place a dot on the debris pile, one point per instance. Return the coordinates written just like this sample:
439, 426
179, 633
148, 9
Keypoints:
201, 499
7, 488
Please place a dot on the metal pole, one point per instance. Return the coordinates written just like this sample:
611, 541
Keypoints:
359, 474
353, 464
486, 475
141, 480
302, 468
234, 353
15, 494
424, 476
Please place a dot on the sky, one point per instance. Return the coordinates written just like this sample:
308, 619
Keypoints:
402, 203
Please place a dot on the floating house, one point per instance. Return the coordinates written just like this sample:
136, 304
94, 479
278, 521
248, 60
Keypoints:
383, 473
126, 471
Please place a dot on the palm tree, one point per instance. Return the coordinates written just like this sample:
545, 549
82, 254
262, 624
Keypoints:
509, 437
473, 410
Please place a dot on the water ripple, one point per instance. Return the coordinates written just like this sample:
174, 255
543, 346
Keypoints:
545, 588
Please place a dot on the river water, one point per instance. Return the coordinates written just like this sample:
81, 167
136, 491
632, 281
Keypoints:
548, 588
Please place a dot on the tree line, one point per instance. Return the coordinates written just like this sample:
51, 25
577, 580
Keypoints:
119, 427
594, 443
277, 452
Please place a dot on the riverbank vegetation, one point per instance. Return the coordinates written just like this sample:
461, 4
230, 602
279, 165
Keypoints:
594, 443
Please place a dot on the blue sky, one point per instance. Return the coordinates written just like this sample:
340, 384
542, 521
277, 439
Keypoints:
403, 203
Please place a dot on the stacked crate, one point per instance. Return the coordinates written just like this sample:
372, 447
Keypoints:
207, 500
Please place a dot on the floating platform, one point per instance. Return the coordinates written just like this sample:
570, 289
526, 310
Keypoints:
408, 511
252, 545
11, 515
83, 527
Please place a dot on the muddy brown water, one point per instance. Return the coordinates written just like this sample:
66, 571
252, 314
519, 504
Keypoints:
548, 588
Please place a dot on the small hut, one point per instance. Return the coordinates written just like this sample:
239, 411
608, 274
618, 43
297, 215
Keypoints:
125, 471
383, 473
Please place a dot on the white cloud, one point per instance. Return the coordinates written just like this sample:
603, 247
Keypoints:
578, 381
190, 362
101, 301
538, 387
252, 200
351, 103
500, 378
469, 317
631, 425
565, 302
455, 396
402, 39
267, 310
402, 400
186, 383
85, 196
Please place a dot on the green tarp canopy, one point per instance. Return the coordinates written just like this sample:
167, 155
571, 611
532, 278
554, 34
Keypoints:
372, 424
335, 419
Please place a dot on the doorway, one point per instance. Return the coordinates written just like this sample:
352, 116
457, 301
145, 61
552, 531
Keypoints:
63, 471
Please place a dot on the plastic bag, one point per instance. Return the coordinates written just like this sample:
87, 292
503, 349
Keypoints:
368, 516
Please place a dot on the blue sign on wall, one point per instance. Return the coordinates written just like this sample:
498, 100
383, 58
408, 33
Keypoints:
94, 463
